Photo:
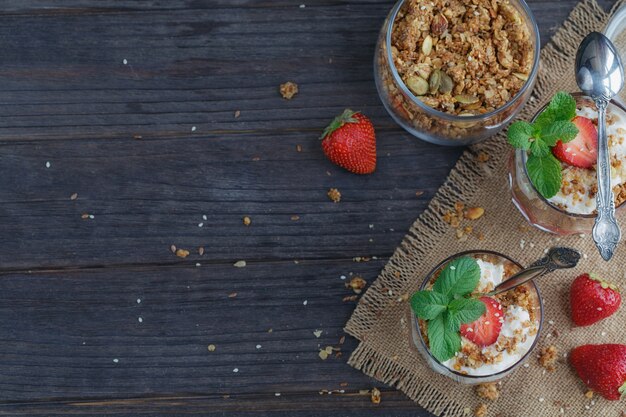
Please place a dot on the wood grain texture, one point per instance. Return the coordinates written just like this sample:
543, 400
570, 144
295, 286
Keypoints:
80, 82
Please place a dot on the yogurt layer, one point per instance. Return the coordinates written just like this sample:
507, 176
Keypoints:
577, 193
518, 331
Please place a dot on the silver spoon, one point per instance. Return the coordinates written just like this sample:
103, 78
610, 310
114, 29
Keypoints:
557, 258
599, 74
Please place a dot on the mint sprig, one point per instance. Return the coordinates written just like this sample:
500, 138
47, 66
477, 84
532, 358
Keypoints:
447, 306
552, 125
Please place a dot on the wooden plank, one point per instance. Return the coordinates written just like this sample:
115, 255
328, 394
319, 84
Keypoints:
106, 352
147, 195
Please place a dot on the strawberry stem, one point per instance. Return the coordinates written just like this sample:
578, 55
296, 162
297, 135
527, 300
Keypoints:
343, 118
622, 389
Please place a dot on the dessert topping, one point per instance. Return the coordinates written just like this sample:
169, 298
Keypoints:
553, 125
582, 152
446, 308
485, 330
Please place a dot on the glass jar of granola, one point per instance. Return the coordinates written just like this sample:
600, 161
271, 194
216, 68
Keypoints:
453, 72
520, 312
573, 209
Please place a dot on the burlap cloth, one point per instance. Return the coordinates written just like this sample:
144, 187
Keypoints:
384, 351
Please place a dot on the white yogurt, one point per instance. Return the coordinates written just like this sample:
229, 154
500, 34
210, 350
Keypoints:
514, 319
582, 203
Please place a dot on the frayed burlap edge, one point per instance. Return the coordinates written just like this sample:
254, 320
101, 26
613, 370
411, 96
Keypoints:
428, 230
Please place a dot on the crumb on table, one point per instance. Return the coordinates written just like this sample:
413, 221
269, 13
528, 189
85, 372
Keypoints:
548, 357
488, 391
288, 90
480, 411
334, 195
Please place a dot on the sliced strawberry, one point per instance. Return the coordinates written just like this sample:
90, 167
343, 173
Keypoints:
486, 329
581, 152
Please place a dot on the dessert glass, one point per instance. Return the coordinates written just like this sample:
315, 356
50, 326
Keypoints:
537, 210
428, 124
510, 268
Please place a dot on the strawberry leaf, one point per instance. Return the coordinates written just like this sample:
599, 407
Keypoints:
343, 118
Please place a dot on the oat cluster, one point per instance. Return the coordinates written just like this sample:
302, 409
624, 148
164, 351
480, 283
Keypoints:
462, 57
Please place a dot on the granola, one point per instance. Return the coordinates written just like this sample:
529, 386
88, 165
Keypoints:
473, 57
461, 58
288, 90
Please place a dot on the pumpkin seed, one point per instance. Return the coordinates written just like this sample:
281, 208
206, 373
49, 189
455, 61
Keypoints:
427, 45
466, 99
521, 76
417, 85
447, 84
435, 81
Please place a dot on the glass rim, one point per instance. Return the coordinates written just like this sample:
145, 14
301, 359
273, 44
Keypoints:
456, 118
524, 156
531, 282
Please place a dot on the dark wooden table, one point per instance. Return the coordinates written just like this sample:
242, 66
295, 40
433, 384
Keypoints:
119, 132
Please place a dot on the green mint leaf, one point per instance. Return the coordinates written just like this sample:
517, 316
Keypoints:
459, 277
539, 148
444, 342
563, 106
545, 174
519, 134
545, 118
428, 304
464, 310
562, 130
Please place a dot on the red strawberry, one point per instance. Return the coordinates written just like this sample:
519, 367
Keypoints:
349, 141
486, 329
602, 368
581, 152
593, 299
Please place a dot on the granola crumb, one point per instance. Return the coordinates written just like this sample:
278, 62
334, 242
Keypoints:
246, 221
474, 213
237, 114
211, 348
419, 193
288, 90
295, 217
74, 196
375, 396
137, 137
334, 195
481, 410
589, 394
548, 357
349, 298
483, 157
232, 295
182, 253
488, 391
357, 284
298, 148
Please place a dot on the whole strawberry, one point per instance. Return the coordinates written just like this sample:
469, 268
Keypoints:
349, 141
593, 299
602, 368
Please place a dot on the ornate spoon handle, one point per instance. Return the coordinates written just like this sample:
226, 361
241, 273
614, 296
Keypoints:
606, 232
